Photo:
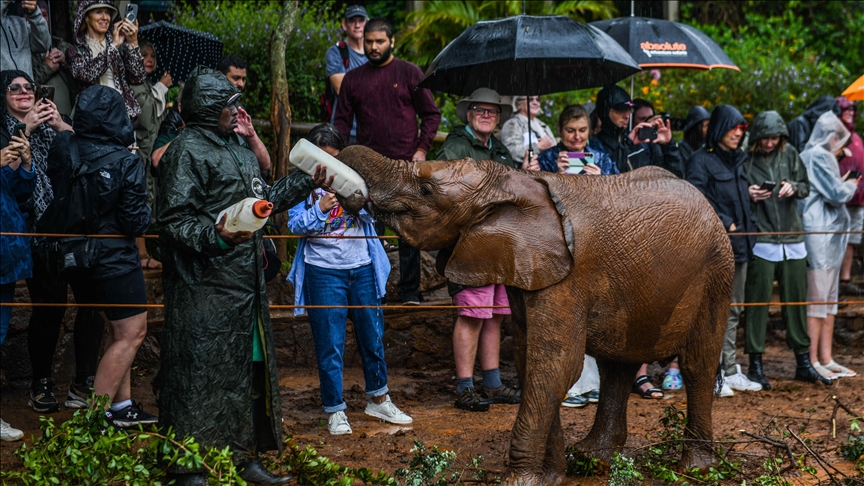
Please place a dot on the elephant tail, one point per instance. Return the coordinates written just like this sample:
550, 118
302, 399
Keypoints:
718, 380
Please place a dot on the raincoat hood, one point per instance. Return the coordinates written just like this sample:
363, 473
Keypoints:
844, 105
87, 5
822, 104
723, 119
100, 115
205, 94
828, 134
606, 99
696, 115
768, 124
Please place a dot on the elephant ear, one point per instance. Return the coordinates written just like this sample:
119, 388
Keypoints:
519, 239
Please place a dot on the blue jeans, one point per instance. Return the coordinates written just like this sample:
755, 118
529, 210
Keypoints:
325, 286
7, 295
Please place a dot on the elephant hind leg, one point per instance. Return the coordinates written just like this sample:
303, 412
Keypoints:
609, 431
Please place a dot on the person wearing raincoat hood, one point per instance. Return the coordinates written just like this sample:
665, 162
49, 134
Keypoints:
218, 378
824, 210
802, 126
717, 170
781, 256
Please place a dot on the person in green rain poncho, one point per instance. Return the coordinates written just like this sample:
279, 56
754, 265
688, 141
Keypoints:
218, 378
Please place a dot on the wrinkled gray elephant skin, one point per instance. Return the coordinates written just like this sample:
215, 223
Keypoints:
630, 269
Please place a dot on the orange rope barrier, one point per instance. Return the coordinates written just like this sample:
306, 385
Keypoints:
424, 307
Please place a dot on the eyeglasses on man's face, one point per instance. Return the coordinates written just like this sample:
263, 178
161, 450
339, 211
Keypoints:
16, 88
486, 111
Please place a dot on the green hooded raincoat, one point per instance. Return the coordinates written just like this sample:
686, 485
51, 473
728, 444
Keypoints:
215, 298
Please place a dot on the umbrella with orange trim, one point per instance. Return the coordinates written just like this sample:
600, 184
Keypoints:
655, 43
855, 92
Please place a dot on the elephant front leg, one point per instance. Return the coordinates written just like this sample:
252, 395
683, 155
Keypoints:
609, 431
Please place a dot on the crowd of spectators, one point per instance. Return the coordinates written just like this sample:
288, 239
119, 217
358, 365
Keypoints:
189, 160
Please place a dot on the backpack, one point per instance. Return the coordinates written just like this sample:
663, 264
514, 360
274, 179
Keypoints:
76, 209
328, 99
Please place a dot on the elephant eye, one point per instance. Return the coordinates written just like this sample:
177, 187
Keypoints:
425, 190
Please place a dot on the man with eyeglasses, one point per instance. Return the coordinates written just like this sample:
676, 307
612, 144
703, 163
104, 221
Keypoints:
383, 96
478, 331
717, 170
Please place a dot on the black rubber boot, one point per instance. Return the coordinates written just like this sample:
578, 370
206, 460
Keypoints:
255, 473
754, 372
804, 371
194, 479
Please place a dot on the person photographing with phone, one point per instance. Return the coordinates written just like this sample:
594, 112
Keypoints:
571, 155
106, 51
777, 180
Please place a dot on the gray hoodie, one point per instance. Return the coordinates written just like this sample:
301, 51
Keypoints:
15, 49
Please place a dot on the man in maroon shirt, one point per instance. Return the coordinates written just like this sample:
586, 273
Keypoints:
384, 97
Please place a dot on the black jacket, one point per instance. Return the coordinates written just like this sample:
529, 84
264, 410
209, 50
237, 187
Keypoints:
801, 127
102, 127
614, 140
720, 176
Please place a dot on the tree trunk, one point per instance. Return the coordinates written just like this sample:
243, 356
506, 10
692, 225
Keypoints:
280, 110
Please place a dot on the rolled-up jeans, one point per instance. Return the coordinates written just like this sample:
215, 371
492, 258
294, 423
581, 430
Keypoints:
356, 286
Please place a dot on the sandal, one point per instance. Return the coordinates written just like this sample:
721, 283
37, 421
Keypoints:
148, 263
649, 393
672, 381
503, 394
839, 370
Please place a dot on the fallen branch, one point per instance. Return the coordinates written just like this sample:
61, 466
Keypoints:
837, 406
778, 444
818, 458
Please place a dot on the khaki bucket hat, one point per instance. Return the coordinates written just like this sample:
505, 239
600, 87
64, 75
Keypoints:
483, 95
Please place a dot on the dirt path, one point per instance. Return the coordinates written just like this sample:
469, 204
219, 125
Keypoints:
427, 395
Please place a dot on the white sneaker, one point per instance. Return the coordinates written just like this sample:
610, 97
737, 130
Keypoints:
337, 424
725, 391
387, 412
8, 433
740, 382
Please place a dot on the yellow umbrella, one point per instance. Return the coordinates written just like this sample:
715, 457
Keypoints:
855, 92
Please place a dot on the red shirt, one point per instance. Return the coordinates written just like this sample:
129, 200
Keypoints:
856, 162
387, 104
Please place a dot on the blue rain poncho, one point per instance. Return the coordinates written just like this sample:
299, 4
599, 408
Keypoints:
823, 209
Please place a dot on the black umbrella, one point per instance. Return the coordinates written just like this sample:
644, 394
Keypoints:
531, 55
180, 49
655, 43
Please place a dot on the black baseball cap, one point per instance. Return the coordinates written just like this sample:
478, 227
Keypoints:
356, 11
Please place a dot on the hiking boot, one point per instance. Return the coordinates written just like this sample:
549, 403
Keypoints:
79, 394
387, 412
575, 401
133, 415
42, 396
593, 396
337, 424
503, 394
739, 382
472, 401
851, 289
9, 433
754, 372
804, 370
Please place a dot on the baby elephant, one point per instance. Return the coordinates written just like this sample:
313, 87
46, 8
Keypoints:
630, 269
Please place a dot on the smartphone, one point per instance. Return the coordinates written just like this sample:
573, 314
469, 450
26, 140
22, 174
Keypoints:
647, 133
19, 127
578, 161
768, 186
854, 174
46, 93
132, 12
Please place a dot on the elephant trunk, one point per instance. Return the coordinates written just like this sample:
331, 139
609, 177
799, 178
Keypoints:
383, 176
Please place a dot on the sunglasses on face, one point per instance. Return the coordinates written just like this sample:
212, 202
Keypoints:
16, 88
741, 126
486, 111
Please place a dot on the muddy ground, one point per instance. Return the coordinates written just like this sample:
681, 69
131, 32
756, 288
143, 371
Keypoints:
427, 395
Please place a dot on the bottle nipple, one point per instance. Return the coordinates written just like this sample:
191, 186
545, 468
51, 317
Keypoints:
262, 209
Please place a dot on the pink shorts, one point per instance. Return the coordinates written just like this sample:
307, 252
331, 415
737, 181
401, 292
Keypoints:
494, 294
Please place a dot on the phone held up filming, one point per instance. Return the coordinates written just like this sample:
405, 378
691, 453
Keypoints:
578, 161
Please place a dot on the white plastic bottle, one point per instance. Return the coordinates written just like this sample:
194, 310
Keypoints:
346, 181
249, 214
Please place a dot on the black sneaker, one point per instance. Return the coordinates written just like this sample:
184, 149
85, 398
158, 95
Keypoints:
42, 396
79, 394
133, 415
472, 401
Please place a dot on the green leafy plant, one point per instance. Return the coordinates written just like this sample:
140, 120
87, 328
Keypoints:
853, 447
85, 450
624, 471
580, 464
773, 478
428, 468
311, 468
